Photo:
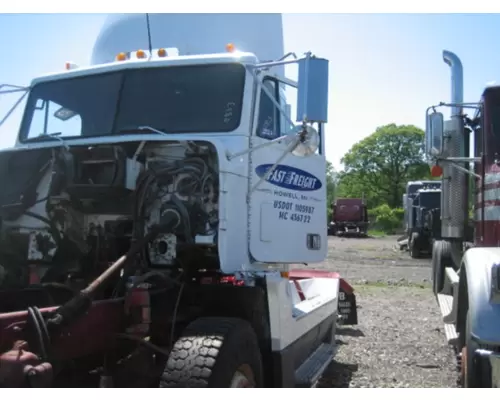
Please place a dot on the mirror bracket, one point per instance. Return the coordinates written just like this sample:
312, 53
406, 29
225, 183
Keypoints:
7, 89
454, 162
474, 106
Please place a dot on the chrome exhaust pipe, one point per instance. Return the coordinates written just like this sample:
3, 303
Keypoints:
454, 199
457, 81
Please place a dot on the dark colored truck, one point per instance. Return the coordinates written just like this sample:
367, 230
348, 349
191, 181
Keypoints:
412, 190
349, 216
424, 219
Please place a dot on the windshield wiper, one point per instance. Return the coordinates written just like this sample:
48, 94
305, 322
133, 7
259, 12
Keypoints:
142, 129
53, 135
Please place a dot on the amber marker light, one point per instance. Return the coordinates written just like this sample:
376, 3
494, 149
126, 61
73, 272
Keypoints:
436, 171
121, 57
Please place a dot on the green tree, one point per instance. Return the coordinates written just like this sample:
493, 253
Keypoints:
387, 219
380, 165
349, 184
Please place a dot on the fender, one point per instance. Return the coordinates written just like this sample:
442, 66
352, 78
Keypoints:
484, 308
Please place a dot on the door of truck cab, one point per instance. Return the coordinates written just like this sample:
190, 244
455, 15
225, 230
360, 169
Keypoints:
287, 211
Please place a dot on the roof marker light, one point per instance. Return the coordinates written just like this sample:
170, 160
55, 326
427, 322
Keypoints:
70, 65
121, 57
162, 53
230, 48
140, 54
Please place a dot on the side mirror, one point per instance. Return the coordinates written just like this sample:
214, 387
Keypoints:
434, 134
312, 93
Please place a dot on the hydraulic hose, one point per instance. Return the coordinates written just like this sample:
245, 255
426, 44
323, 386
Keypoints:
80, 304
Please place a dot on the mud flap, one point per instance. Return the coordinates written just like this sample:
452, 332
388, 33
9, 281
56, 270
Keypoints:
347, 307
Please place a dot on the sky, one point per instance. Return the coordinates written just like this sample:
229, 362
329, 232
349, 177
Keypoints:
384, 68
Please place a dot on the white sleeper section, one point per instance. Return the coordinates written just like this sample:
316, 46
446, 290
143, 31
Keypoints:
290, 317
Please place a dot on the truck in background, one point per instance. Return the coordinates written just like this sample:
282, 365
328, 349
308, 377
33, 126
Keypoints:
424, 217
349, 217
412, 189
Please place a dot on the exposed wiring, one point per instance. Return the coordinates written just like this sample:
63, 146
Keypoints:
38, 217
41, 331
145, 343
97, 247
53, 230
151, 186
151, 274
174, 315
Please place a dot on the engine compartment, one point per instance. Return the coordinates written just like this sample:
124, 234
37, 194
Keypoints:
67, 213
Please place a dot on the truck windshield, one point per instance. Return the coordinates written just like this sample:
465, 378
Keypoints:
180, 99
430, 200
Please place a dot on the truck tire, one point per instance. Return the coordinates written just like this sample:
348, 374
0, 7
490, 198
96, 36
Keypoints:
214, 352
441, 258
414, 245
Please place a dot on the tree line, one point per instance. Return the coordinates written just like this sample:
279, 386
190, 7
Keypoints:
377, 169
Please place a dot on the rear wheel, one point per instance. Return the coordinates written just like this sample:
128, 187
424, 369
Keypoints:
441, 258
414, 245
217, 353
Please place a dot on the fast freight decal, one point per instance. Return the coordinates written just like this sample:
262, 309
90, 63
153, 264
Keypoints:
291, 178
288, 177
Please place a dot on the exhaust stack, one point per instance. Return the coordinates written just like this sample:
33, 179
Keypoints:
457, 81
454, 184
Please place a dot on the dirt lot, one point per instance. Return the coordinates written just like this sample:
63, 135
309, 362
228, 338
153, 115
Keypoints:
399, 341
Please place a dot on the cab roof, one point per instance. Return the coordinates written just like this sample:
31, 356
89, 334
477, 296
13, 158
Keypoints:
237, 57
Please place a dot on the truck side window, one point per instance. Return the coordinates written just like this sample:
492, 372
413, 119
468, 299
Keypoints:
268, 126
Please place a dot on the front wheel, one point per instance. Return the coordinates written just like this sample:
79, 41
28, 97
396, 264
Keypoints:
468, 365
217, 353
472, 375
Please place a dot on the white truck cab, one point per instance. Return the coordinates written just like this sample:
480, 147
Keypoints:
199, 148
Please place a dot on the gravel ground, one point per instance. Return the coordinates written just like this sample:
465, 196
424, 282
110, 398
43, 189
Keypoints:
399, 341
375, 260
